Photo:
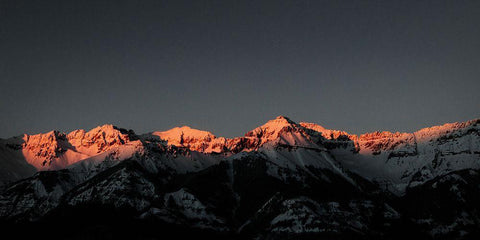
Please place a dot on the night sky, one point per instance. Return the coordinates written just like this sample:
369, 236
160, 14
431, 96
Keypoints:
229, 66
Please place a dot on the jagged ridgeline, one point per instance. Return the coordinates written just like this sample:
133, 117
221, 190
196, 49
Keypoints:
282, 180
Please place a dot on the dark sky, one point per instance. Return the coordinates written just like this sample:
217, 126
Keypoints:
229, 66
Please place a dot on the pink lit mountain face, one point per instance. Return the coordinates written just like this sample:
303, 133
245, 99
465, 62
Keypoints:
134, 171
395, 158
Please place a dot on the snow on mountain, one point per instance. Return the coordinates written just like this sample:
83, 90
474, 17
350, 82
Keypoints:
398, 160
13, 165
327, 133
303, 215
193, 139
175, 160
124, 185
192, 210
99, 139
55, 150
280, 179
37, 195
280, 131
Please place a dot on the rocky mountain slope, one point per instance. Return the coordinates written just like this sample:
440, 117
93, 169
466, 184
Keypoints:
281, 180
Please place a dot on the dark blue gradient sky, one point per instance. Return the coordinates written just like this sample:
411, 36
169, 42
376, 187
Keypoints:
229, 66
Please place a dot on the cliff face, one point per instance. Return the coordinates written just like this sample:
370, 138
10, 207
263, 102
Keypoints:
55, 150
282, 179
193, 139
394, 158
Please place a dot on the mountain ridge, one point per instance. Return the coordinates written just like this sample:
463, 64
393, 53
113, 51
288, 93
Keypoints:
281, 179
57, 150
194, 133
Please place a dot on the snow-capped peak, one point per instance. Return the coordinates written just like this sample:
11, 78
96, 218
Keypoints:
328, 133
177, 135
193, 139
103, 137
280, 130
273, 128
56, 150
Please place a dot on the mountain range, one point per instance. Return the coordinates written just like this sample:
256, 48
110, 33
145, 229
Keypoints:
282, 180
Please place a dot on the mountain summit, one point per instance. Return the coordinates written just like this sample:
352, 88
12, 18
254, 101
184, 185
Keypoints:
281, 179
